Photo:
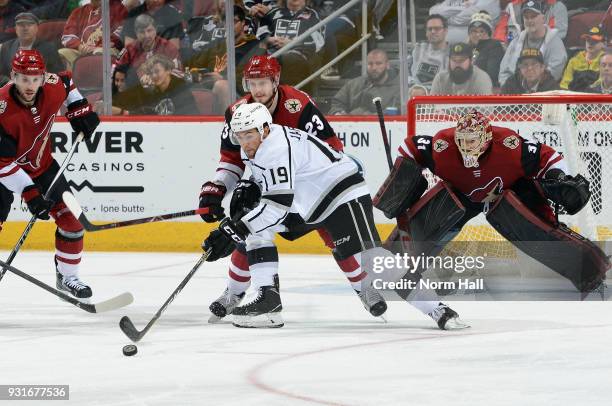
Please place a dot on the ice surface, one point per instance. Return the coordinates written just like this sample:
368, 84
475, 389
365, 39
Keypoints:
329, 352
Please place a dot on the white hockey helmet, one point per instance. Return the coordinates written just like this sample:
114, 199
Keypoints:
249, 116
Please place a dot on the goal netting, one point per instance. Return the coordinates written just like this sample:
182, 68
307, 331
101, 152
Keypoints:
577, 125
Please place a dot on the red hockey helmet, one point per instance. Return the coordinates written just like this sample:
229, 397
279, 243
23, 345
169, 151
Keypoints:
262, 66
473, 136
28, 62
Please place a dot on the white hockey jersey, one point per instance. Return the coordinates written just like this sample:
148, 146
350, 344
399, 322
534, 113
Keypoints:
301, 174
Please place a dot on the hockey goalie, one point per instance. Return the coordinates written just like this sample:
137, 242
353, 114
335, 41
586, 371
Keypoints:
493, 170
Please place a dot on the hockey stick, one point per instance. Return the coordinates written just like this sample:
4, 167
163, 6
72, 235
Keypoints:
116, 302
383, 129
77, 211
128, 328
52, 186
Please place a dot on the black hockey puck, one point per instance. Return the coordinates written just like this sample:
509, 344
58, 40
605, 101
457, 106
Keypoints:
130, 350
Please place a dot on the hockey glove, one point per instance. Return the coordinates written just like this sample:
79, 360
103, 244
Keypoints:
37, 204
571, 192
222, 241
82, 117
245, 198
211, 196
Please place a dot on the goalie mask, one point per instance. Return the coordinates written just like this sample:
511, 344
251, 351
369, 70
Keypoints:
247, 117
473, 136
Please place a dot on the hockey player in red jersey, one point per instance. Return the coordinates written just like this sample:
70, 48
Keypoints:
28, 107
292, 108
493, 170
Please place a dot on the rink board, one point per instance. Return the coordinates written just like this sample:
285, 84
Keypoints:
134, 169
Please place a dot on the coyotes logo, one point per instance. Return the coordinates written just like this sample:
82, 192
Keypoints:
511, 142
293, 105
31, 159
489, 192
440, 145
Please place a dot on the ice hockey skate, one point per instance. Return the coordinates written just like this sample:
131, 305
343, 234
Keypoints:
224, 305
372, 301
263, 311
73, 285
447, 318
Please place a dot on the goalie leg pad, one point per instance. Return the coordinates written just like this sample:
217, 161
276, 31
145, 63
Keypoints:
567, 253
404, 185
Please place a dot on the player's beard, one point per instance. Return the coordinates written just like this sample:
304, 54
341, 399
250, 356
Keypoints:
460, 76
270, 102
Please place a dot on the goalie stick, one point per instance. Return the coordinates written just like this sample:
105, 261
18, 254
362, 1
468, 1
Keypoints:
116, 302
77, 211
52, 186
128, 328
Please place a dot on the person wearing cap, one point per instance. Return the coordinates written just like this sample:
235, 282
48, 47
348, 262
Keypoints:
462, 77
510, 22
488, 52
604, 83
535, 35
583, 69
8, 10
26, 28
531, 75
459, 15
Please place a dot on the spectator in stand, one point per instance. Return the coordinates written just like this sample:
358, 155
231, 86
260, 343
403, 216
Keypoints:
213, 61
458, 14
531, 76
166, 94
430, 57
26, 28
83, 31
119, 76
147, 44
279, 26
8, 10
510, 23
488, 52
535, 35
168, 21
355, 97
604, 83
583, 69
462, 77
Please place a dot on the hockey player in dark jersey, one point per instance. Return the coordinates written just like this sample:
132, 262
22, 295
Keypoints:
292, 108
484, 168
28, 106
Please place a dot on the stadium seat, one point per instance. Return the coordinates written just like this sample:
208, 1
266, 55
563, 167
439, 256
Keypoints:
204, 100
580, 24
87, 73
51, 31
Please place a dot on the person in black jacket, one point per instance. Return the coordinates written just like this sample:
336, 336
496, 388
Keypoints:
160, 92
488, 52
531, 75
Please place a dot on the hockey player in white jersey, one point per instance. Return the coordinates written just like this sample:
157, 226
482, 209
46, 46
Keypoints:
305, 185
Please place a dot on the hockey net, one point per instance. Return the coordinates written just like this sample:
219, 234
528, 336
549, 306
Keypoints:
577, 125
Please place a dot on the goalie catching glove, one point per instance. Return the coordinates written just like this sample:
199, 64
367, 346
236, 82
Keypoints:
82, 117
222, 241
571, 192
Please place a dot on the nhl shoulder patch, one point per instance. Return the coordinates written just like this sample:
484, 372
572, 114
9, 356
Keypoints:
440, 145
511, 142
52, 78
2, 106
293, 105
